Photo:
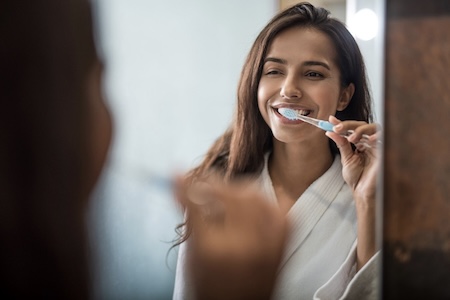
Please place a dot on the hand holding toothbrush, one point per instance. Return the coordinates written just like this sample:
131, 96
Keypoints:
360, 169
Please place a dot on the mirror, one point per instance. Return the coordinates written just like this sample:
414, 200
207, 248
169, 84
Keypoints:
171, 75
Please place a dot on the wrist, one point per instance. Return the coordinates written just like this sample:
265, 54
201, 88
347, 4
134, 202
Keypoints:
365, 202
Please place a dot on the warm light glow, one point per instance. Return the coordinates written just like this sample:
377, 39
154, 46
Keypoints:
364, 24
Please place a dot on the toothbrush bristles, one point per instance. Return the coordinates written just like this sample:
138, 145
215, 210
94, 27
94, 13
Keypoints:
288, 113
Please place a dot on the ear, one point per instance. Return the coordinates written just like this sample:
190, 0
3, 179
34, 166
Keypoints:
346, 96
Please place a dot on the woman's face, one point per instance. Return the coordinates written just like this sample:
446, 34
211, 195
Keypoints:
300, 73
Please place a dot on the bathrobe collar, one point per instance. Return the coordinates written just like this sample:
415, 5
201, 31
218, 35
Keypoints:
310, 206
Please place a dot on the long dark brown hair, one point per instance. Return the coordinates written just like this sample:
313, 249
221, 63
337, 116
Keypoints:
240, 150
46, 51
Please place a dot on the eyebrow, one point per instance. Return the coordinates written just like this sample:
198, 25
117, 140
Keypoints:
276, 60
306, 63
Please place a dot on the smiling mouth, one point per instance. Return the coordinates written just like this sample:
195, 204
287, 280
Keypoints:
303, 112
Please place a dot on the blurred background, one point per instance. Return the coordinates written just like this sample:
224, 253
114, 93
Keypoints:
171, 74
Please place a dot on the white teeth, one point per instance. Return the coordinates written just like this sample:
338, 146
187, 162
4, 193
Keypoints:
303, 112
293, 114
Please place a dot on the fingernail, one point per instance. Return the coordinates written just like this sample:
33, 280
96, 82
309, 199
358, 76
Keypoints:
338, 126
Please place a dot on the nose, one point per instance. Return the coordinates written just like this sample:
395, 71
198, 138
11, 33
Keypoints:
290, 88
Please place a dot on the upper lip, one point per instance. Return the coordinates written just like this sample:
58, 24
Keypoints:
291, 106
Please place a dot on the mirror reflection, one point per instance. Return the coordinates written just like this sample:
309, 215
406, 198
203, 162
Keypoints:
171, 78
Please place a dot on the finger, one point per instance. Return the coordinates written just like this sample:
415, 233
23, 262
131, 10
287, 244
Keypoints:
179, 188
365, 129
251, 210
358, 132
367, 135
342, 127
341, 141
240, 202
251, 219
362, 147
194, 214
343, 145
200, 193
374, 141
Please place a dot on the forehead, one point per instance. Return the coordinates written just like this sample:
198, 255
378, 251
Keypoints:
302, 43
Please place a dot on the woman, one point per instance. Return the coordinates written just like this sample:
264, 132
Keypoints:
323, 182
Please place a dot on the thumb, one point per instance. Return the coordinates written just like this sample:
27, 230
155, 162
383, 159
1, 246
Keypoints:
193, 212
344, 146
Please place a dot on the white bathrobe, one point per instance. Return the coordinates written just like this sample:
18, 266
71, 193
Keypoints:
320, 258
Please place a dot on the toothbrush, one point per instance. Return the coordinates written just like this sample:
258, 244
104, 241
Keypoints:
292, 114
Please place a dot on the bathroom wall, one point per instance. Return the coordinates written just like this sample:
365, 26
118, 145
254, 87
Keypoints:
171, 72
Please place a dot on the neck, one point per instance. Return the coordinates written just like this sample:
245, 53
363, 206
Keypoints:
293, 168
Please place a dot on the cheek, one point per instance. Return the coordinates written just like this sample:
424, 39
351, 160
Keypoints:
100, 137
327, 100
100, 132
262, 103
265, 93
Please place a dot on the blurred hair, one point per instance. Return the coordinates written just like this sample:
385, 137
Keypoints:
46, 51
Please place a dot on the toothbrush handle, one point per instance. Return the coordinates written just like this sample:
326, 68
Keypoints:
364, 141
327, 126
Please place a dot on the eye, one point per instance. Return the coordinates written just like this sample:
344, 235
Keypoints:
314, 75
272, 72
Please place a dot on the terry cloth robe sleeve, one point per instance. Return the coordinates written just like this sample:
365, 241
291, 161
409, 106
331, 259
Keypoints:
345, 284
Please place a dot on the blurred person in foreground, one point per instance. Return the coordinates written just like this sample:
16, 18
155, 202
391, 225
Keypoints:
55, 134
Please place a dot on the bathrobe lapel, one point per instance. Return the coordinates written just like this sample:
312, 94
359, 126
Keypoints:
311, 205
